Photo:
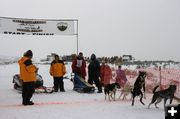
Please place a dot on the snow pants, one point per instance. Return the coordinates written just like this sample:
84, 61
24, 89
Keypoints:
95, 79
58, 84
28, 88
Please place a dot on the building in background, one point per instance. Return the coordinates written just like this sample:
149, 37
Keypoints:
128, 58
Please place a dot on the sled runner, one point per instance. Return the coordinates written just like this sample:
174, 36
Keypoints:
39, 88
80, 85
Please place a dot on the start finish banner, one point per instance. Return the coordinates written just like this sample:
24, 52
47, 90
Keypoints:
19, 26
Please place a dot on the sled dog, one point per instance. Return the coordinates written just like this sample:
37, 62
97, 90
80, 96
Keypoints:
163, 94
110, 90
126, 90
138, 85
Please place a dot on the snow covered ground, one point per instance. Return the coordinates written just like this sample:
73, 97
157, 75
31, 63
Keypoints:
69, 104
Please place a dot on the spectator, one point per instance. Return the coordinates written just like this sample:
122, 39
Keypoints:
57, 70
28, 76
106, 73
120, 76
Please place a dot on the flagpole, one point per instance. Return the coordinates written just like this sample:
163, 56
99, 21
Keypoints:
77, 39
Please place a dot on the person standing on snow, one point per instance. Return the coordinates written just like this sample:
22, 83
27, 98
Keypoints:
121, 76
79, 66
94, 72
58, 70
105, 73
28, 76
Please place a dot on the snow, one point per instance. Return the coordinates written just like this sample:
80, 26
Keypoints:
7, 59
69, 104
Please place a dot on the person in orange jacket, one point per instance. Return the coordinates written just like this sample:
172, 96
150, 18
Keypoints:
58, 70
28, 77
105, 73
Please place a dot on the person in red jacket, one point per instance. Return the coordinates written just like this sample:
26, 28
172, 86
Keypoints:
105, 73
79, 65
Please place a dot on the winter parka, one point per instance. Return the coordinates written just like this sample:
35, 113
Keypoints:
27, 69
105, 74
57, 68
121, 77
79, 66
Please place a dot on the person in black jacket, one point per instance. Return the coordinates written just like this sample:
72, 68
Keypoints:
94, 72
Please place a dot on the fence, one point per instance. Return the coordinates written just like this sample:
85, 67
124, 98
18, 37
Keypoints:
157, 76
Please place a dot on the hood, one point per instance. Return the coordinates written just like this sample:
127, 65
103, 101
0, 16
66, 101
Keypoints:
22, 60
93, 57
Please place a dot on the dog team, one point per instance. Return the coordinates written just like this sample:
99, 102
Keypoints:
138, 89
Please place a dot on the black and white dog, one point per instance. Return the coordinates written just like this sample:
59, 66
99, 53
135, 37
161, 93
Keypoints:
138, 86
110, 90
163, 94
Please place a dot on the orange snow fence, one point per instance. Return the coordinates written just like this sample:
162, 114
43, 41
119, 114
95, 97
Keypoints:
167, 75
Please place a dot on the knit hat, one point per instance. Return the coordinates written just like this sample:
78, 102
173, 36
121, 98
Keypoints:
28, 53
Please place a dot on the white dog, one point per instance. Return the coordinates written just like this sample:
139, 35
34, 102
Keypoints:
126, 90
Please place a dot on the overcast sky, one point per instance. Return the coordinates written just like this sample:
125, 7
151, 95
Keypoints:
146, 29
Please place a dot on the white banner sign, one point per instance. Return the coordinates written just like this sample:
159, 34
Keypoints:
20, 26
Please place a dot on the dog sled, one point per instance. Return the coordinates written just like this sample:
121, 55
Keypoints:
39, 88
80, 85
